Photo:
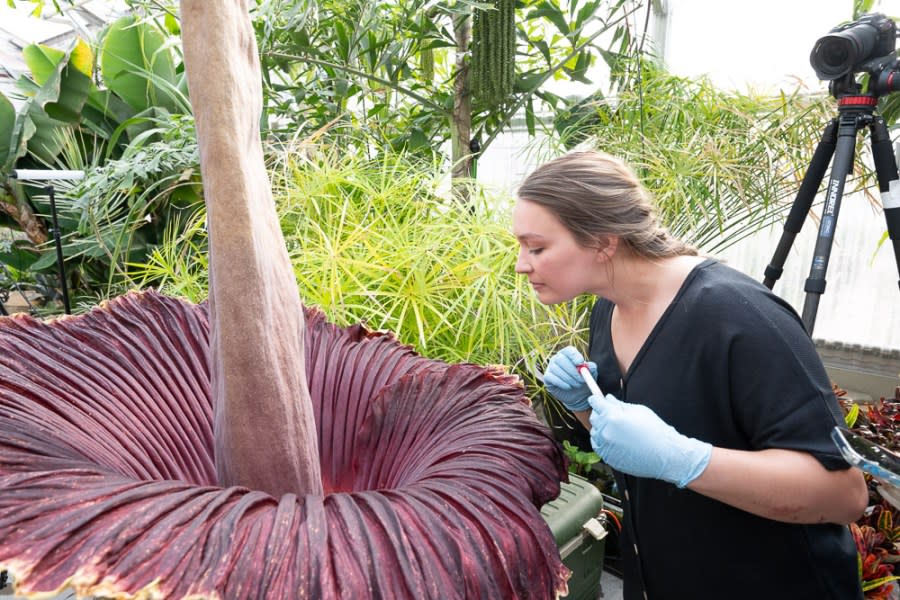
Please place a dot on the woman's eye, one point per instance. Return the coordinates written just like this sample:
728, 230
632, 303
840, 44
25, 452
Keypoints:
535, 250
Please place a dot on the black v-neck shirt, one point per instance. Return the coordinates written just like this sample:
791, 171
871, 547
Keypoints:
729, 363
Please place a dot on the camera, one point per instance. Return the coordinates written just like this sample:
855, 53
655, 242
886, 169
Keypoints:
865, 45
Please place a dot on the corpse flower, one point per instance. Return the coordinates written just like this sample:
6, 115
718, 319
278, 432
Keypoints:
156, 448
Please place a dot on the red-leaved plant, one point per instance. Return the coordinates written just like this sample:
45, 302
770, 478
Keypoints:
877, 532
876, 536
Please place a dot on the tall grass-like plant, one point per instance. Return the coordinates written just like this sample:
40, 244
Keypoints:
721, 164
388, 250
380, 244
180, 263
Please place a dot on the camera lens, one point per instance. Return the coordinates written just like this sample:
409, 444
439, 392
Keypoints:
837, 54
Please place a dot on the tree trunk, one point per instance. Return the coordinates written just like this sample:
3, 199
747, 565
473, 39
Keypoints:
16, 207
265, 436
461, 119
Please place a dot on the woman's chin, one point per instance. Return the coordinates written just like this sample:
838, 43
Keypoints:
550, 297
545, 296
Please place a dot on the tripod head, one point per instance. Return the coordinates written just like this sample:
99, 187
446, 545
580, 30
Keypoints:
881, 82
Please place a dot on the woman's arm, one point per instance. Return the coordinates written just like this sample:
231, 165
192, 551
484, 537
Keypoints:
783, 485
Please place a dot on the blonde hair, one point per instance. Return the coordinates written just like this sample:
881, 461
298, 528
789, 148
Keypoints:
596, 195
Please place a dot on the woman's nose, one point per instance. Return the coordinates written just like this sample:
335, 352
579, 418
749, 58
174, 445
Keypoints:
522, 266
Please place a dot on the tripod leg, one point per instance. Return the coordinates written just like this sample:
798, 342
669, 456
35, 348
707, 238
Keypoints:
888, 182
892, 216
803, 202
60, 264
848, 124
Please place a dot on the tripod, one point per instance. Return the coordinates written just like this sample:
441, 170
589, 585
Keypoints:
855, 111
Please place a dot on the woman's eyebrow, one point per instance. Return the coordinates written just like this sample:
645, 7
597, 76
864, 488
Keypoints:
525, 237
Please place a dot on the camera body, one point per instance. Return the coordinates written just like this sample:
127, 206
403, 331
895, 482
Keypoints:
865, 45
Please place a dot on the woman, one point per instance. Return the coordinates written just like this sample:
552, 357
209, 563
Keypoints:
717, 412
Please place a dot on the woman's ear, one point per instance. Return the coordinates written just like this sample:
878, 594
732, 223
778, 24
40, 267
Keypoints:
607, 247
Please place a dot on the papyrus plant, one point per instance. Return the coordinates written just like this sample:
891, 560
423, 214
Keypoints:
242, 449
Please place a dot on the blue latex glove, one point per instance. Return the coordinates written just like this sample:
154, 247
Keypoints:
631, 438
565, 383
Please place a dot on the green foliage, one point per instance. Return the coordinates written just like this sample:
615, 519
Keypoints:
71, 87
137, 65
179, 264
851, 415
426, 63
347, 68
8, 147
121, 208
139, 81
48, 105
580, 462
720, 164
861, 7
373, 241
129, 134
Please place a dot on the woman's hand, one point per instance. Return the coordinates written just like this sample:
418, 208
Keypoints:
565, 383
633, 439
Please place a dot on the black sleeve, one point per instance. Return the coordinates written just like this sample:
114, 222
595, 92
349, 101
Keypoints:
781, 395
